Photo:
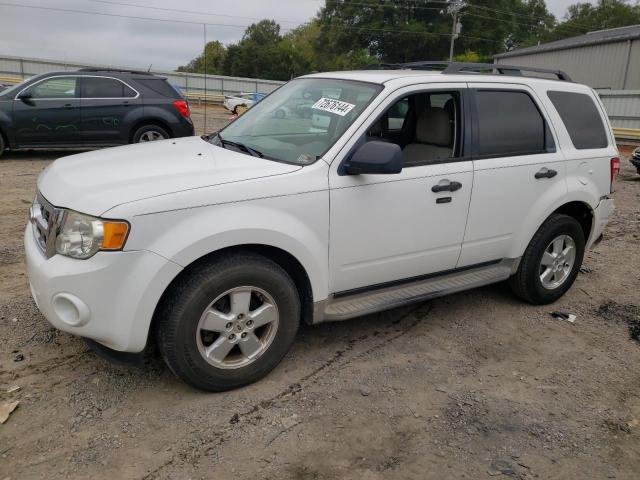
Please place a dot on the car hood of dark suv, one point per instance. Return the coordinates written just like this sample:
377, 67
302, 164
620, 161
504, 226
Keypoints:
94, 182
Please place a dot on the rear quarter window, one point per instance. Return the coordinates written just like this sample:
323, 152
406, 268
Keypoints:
158, 87
581, 118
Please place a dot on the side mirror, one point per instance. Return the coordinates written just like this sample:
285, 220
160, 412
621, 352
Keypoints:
375, 158
25, 97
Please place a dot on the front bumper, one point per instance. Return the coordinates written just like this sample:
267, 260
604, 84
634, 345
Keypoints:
109, 298
600, 219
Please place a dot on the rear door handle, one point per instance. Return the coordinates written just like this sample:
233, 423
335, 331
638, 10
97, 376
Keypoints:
446, 186
68, 105
545, 172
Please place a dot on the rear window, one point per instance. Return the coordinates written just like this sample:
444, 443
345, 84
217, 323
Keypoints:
160, 87
509, 123
581, 118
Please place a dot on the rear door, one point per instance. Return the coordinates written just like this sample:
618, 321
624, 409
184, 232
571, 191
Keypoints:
518, 172
105, 104
48, 113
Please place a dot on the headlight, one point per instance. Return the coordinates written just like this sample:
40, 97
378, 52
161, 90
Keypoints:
82, 236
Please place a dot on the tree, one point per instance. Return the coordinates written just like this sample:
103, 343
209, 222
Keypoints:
585, 17
215, 53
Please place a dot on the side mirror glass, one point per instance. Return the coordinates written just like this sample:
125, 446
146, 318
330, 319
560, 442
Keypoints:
375, 157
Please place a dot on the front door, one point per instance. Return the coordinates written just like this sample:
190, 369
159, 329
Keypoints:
48, 113
387, 228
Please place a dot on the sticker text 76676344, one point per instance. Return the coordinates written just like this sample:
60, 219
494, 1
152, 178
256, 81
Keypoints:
333, 106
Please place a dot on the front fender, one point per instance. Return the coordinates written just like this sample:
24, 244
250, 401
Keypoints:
298, 226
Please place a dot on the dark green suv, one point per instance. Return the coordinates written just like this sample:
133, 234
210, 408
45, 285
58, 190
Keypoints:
91, 108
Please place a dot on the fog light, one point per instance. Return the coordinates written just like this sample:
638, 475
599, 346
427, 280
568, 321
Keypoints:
71, 310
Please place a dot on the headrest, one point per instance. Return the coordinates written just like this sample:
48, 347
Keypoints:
433, 127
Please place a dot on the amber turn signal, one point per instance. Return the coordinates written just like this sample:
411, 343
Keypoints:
114, 236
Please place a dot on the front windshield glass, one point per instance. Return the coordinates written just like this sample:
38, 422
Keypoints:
13, 88
300, 121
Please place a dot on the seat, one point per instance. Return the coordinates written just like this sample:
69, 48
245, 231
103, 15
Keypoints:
433, 138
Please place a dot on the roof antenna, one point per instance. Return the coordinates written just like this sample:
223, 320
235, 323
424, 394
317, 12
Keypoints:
149, 69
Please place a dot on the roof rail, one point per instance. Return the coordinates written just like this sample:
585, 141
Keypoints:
114, 70
460, 67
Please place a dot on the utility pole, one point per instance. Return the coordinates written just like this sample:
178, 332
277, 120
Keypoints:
204, 31
454, 7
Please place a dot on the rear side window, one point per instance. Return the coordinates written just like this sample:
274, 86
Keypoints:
580, 115
159, 87
99, 87
509, 123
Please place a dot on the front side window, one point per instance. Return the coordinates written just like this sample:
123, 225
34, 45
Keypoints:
580, 115
300, 121
99, 87
509, 123
55, 87
426, 126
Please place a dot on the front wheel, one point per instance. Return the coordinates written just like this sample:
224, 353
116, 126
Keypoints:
228, 322
551, 262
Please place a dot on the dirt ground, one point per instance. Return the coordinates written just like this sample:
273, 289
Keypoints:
474, 385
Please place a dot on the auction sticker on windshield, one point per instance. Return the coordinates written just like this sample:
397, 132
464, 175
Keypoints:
333, 106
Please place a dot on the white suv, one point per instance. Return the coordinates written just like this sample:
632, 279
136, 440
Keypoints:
409, 184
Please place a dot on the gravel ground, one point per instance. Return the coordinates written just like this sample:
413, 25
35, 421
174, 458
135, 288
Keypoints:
474, 385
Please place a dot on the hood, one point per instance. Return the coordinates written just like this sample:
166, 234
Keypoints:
94, 182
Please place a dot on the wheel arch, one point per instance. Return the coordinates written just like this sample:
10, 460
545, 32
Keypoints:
284, 259
578, 208
149, 121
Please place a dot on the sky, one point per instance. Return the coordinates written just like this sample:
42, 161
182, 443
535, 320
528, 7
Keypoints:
89, 38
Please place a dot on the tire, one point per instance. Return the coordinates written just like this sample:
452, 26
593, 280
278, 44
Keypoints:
1, 144
148, 133
182, 339
527, 282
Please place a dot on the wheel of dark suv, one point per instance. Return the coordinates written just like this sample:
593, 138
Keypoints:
228, 322
150, 133
551, 262
1, 145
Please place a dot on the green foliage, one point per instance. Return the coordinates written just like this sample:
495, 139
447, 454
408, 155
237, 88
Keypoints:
349, 34
215, 56
585, 17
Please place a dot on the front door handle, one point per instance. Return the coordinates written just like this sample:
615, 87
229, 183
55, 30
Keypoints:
545, 172
68, 105
446, 186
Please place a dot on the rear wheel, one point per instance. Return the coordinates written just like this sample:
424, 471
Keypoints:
229, 322
150, 133
551, 262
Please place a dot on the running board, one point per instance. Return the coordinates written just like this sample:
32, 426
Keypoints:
385, 298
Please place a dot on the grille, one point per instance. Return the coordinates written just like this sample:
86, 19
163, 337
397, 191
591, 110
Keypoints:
45, 221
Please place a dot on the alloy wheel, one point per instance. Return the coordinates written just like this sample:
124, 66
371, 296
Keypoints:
557, 262
237, 327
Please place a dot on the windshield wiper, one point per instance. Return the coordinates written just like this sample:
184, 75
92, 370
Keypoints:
241, 146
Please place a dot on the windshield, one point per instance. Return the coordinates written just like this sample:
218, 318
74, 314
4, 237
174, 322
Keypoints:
12, 88
300, 121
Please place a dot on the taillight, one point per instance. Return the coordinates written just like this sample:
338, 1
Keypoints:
615, 170
183, 107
